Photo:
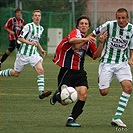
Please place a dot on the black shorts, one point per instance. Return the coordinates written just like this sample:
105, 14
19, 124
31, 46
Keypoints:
72, 78
12, 45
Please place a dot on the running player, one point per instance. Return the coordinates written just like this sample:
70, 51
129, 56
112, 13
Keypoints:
28, 53
13, 26
114, 59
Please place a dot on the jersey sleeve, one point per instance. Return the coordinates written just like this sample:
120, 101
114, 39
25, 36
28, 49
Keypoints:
75, 33
24, 31
91, 50
8, 23
42, 30
102, 28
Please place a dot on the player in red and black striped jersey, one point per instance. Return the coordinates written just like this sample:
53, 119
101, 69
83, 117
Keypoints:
70, 56
13, 26
67, 57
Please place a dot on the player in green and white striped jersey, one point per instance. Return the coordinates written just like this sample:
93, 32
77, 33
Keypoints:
114, 59
31, 33
28, 53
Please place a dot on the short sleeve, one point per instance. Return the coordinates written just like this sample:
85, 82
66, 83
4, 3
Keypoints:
24, 31
8, 23
102, 28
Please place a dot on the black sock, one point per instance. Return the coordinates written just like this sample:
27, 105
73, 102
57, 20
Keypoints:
77, 109
4, 57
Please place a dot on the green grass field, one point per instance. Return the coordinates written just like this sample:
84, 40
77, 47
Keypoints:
21, 111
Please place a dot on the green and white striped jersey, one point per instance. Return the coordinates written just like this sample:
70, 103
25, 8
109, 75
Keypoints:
30, 32
118, 43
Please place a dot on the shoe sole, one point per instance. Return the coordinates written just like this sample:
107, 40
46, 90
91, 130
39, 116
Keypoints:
114, 124
45, 94
73, 126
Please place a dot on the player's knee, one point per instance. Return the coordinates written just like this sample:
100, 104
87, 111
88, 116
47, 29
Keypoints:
10, 50
104, 92
40, 71
128, 90
83, 96
14, 73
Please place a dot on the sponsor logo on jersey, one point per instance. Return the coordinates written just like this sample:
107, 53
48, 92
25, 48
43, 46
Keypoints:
34, 38
119, 43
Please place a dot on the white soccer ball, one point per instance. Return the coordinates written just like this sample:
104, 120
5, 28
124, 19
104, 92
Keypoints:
69, 95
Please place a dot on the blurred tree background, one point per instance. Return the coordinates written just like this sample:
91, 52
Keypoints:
47, 5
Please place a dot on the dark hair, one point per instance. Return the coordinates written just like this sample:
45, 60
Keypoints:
18, 10
83, 17
120, 10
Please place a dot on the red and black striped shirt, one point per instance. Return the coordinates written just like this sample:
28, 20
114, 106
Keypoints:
15, 25
66, 57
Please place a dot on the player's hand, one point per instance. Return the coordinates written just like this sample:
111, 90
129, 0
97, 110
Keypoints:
130, 62
103, 36
12, 33
43, 53
91, 38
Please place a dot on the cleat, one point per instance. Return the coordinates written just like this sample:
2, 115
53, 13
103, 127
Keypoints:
45, 94
118, 123
72, 123
53, 99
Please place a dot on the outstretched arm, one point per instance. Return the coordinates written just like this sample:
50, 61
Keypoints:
102, 38
77, 43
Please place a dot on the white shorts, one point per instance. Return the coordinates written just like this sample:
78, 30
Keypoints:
22, 60
122, 71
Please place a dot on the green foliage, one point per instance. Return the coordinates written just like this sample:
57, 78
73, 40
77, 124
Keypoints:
6, 3
53, 5
22, 112
46, 5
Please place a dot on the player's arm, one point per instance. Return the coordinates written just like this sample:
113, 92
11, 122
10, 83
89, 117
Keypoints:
77, 43
131, 58
23, 33
22, 39
130, 61
101, 39
81, 40
8, 30
43, 52
6, 27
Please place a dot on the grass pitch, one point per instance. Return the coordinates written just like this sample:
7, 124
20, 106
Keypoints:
21, 111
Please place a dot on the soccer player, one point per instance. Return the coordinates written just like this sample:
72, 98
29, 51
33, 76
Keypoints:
114, 59
70, 56
28, 53
13, 26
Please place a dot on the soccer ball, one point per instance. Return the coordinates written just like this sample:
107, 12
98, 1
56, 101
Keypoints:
68, 95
